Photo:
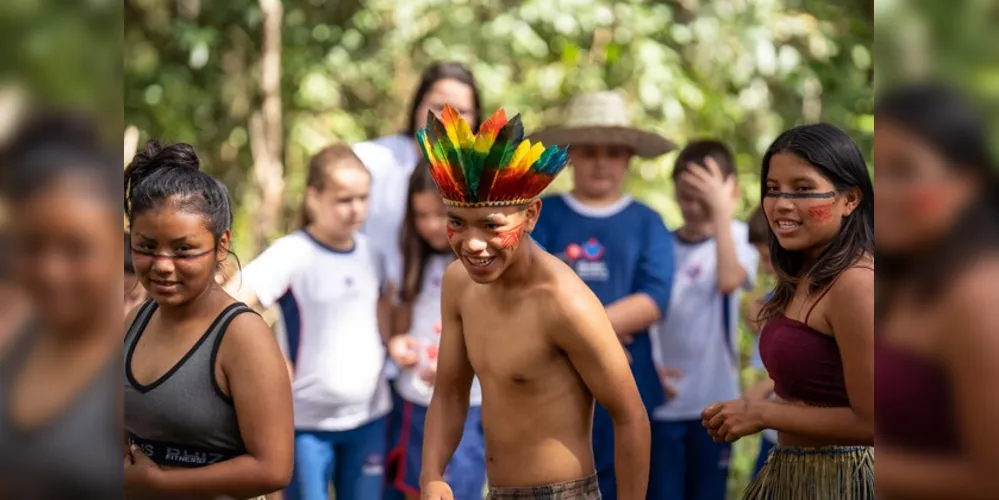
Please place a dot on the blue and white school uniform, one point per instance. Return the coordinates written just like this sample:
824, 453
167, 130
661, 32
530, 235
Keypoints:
699, 337
618, 250
328, 299
466, 473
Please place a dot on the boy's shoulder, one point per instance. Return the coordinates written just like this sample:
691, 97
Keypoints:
564, 296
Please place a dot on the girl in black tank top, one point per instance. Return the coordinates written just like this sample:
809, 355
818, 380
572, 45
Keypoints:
208, 409
59, 355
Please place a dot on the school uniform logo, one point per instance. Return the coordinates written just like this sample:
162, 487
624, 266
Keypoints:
693, 271
587, 260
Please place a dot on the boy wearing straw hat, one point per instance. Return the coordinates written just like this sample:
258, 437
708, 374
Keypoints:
522, 321
619, 247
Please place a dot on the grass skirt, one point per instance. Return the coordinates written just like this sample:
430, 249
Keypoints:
827, 473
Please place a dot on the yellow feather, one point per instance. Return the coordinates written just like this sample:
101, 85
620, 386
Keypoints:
518, 155
532, 156
465, 138
484, 142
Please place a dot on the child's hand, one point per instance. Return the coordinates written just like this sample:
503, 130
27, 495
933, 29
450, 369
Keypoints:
404, 350
718, 191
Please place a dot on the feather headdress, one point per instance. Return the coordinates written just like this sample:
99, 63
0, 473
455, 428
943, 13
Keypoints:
495, 167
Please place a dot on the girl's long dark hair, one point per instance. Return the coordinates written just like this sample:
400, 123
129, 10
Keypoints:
834, 154
415, 250
445, 70
941, 117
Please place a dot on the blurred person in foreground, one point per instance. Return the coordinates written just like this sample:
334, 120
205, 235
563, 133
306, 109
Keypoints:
208, 409
618, 246
937, 349
524, 322
818, 340
60, 427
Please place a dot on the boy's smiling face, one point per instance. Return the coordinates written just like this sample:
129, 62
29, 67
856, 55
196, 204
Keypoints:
486, 239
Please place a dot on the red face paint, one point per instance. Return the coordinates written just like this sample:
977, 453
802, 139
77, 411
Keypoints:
821, 213
450, 234
511, 237
925, 200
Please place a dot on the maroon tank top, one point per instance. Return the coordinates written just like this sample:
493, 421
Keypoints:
803, 362
915, 402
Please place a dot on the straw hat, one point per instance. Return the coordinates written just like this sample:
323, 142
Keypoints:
603, 118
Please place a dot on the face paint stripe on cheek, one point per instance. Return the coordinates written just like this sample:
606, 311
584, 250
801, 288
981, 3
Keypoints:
821, 213
511, 237
450, 234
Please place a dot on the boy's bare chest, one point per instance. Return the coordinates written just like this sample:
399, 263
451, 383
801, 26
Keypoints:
506, 342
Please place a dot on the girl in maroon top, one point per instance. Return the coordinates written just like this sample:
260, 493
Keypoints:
938, 341
818, 340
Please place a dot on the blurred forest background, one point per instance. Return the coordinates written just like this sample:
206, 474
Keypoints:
259, 85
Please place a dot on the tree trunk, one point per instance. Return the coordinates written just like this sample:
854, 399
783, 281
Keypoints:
267, 131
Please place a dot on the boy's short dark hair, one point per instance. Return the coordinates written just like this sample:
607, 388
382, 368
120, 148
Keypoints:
759, 228
697, 151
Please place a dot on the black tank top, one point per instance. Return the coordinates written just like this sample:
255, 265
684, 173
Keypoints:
76, 455
183, 419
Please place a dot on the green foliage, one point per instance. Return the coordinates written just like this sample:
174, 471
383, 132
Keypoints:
737, 70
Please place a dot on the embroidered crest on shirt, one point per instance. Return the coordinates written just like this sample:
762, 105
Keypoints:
587, 260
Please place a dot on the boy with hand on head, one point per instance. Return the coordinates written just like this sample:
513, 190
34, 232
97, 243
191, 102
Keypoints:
698, 338
619, 247
525, 324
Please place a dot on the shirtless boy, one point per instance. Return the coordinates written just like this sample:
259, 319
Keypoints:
524, 323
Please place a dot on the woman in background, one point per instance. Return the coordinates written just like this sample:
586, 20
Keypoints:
391, 159
937, 350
